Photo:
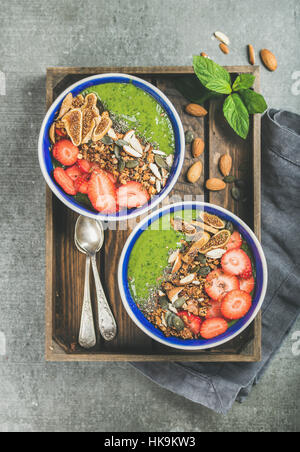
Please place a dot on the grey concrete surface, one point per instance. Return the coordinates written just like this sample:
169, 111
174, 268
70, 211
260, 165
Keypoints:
39, 396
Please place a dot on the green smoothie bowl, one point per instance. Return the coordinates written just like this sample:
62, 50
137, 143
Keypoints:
192, 276
111, 147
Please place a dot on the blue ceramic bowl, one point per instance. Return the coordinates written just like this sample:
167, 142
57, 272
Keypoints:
44, 145
199, 344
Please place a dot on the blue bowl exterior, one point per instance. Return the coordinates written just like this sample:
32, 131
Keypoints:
113, 79
195, 342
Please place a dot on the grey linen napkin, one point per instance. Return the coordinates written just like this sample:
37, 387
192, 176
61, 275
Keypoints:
218, 385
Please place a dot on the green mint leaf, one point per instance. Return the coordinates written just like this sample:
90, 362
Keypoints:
243, 81
191, 88
237, 115
254, 102
211, 75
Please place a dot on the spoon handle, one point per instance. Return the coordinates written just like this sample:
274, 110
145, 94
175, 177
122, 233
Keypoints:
87, 335
107, 323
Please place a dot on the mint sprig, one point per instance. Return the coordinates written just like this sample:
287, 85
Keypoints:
240, 101
237, 115
212, 76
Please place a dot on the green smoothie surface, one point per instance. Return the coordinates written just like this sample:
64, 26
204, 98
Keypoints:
139, 110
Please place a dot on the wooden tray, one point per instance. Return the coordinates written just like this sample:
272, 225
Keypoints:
65, 265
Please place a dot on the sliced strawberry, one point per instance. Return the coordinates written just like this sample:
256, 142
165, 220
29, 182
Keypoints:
111, 177
81, 184
235, 241
84, 165
247, 284
65, 152
236, 262
102, 193
193, 322
64, 181
215, 310
213, 327
95, 168
218, 284
236, 304
132, 195
74, 172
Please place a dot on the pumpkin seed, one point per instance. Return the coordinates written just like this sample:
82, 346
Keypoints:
164, 302
235, 193
121, 165
122, 143
169, 319
204, 271
117, 152
229, 179
107, 140
168, 315
161, 162
189, 137
229, 226
202, 258
178, 323
130, 164
179, 302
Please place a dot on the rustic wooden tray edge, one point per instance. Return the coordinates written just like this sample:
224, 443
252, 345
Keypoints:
53, 351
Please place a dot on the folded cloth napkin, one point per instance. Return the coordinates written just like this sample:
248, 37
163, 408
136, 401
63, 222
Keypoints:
218, 385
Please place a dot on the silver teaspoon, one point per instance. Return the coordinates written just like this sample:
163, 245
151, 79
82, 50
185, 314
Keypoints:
87, 335
90, 237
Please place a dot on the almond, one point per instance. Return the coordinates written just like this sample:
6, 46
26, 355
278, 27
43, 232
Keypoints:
215, 184
196, 110
225, 164
251, 54
194, 173
224, 48
198, 147
269, 59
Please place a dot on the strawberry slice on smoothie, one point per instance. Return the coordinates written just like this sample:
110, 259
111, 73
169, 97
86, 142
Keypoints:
218, 284
132, 195
237, 263
65, 152
102, 193
236, 304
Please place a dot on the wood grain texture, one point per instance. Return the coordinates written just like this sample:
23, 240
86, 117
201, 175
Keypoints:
65, 265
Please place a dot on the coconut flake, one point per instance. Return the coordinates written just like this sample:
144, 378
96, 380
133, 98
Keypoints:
173, 257
170, 160
222, 37
155, 170
129, 150
188, 279
216, 254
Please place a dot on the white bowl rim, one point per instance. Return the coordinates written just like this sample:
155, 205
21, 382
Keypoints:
261, 255
157, 199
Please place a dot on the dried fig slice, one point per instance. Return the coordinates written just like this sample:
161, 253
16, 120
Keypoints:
195, 248
204, 227
89, 121
52, 133
212, 220
73, 125
66, 105
90, 101
78, 101
102, 127
219, 240
183, 226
